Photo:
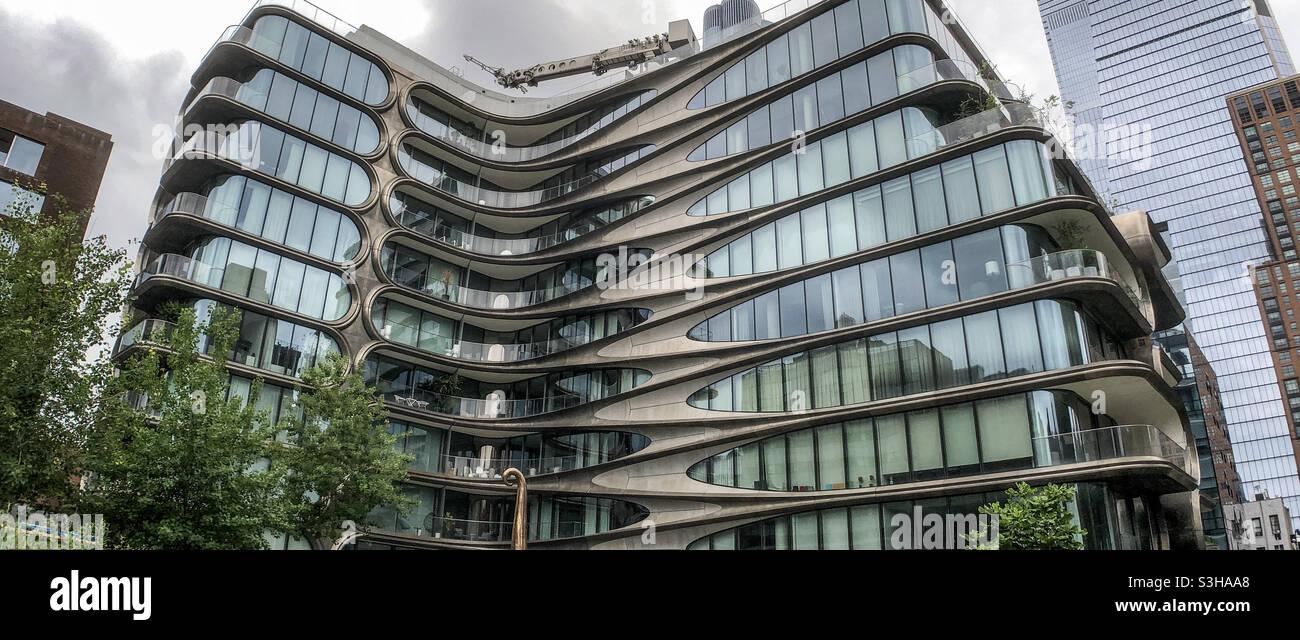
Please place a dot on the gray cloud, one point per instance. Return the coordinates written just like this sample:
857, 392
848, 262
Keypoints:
75, 73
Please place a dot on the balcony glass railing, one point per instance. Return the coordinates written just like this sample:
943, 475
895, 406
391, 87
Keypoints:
492, 468
311, 12
484, 352
1092, 445
489, 150
151, 331
472, 530
1011, 114
441, 181
169, 264
1071, 263
488, 408
477, 298
410, 218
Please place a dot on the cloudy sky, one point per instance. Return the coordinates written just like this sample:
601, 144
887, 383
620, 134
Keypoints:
124, 66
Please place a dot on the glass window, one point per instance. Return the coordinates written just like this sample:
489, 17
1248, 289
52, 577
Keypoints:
820, 304
801, 50
900, 220
835, 154
816, 243
927, 189
940, 274
786, 177
767, 316
778, 60
862, 150
959, 444
1004, 429
848, 29
830, 99
962, 201
984, 347
843, 236
877, 290
890, 140
918, 366
825, 48
1027, 171
848, 297
885, 375
891, 432
756, 71
909, 290
994, 180
1020, 329
882, 78
857, 95
869, 215
980, 268
948, 342
792, 310
925, 442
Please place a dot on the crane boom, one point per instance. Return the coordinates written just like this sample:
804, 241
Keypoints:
629, 55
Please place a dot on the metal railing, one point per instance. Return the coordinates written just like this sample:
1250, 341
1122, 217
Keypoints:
309, 11
1106, 443
478, 298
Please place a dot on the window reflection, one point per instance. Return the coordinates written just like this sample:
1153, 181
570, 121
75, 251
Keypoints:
1012, 341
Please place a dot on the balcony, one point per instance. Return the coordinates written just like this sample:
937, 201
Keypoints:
169, 264
477, 298
470, 530
407, 217
500, 153
1125, 441
486, 409
1072, 263
492, 468
442, 181
151, 331
483, 352
1006, 116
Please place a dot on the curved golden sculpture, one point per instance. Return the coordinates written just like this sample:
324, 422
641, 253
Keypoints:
519, 536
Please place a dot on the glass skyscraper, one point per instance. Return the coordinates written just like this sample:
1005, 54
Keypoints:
1157, 72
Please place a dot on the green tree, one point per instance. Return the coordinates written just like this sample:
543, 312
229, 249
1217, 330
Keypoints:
340, 456
1035, 519
58, 295
176, 464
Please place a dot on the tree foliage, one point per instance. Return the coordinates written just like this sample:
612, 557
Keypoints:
1036, 519
58, 295
340, 455
176, 464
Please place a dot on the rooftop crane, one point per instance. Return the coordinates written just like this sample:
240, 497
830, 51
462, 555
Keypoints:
635, 52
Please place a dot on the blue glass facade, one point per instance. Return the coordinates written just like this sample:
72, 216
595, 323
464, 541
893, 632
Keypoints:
1159, 71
